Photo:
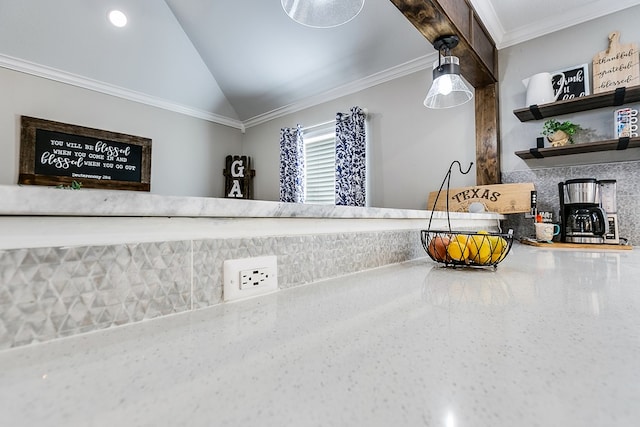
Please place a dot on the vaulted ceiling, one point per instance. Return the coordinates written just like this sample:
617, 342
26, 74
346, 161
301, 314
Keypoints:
244, 61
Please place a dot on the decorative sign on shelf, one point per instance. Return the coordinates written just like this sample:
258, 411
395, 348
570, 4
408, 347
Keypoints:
238, 177
53, 153
500, 198
617, 66
575, 84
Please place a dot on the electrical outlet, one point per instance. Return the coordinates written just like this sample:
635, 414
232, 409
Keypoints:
249, 277
254, 277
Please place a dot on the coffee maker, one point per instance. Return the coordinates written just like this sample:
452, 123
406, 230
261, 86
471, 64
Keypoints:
608, 202
583, 219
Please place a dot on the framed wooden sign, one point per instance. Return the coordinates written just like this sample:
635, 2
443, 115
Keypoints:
53, 153
574, 84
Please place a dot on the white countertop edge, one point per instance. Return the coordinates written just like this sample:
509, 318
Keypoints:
19, 232
18, 200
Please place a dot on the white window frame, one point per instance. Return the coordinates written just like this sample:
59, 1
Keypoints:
323, 134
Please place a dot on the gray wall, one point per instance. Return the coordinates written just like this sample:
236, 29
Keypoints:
187, 153
563, 49
411, 146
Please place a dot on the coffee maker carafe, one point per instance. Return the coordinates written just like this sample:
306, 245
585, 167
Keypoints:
583, 220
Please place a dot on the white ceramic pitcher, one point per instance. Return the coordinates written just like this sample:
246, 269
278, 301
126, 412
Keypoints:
540, 88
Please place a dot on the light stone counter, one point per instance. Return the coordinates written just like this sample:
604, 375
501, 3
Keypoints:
549, 339
38, 200
38, 217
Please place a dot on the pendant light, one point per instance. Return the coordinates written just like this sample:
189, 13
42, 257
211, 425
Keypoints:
448, 89
322, 13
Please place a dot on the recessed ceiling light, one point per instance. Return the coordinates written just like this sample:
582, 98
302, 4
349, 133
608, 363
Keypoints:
117, 18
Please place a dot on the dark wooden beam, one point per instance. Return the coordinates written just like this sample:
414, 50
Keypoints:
476, 50
487, 136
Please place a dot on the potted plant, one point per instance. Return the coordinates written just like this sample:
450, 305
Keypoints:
559, 133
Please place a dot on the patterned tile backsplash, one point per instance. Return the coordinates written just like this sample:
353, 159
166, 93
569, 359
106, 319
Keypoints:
48, 293
627, 175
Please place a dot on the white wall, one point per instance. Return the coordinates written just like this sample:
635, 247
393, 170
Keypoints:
411, 146
563, 49
187, 153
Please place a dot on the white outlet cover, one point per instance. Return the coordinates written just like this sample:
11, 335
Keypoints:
231, 277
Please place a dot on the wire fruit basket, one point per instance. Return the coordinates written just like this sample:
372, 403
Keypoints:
464, 248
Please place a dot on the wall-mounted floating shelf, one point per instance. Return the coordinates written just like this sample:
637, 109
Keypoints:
585, 147
612, 98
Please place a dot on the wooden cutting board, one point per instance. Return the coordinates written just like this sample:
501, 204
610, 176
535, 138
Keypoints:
618, 66
557, 245
500, 198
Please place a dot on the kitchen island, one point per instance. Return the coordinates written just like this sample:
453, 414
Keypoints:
548, 339
78, 261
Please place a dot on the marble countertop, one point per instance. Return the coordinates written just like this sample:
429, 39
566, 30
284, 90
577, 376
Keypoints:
548, 339
39, 200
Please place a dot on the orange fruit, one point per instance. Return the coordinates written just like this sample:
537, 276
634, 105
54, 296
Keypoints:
438, 248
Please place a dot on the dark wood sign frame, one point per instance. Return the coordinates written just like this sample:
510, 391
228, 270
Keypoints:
97, 147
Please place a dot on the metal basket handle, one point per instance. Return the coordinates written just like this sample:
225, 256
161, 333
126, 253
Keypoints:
447, 179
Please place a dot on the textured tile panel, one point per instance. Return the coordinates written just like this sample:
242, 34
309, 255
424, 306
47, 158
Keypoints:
53, 292
46, 293
296, 261
208, 256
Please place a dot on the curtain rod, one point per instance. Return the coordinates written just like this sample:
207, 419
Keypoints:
346, 116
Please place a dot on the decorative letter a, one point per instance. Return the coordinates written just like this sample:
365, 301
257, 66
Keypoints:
235, 189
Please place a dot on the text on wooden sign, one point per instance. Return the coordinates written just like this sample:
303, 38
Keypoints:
53, 153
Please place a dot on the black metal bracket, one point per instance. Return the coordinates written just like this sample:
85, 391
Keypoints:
446, 42
618, 96
623, 143
535, 153
536, 112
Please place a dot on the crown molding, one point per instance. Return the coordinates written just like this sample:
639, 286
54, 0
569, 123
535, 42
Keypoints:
54, 74
488, 16
398, 71
559, 22
409, 67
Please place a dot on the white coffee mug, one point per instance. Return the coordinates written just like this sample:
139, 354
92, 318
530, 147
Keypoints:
546, 230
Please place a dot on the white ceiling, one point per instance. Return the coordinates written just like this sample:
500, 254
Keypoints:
244, 61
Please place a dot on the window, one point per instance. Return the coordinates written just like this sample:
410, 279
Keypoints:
319, 152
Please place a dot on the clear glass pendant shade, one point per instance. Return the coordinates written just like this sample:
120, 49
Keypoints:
448, 89
322, 13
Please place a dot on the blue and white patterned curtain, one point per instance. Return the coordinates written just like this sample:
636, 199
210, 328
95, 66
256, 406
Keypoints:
350, 158
292, 170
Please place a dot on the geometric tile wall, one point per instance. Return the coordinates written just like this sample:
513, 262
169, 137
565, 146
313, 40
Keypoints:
627, 175
48, 293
